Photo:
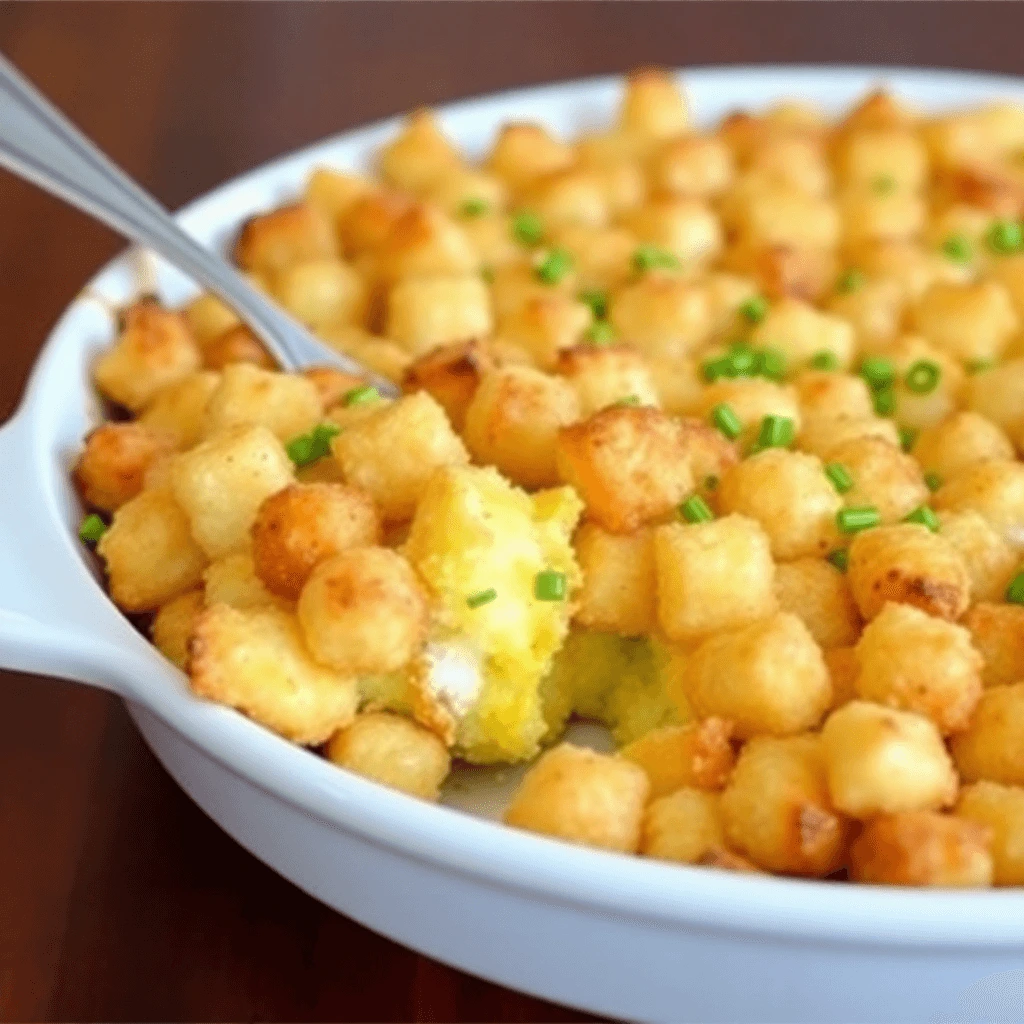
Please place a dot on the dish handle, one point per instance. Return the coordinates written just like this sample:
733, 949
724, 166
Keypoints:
50, 624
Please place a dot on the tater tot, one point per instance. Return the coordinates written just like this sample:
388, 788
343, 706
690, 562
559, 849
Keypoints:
998, 395
819, 594
915, 662
180, 409
882, 475
832, 395
274, 241
232, 580
685, 826
523, 152
697, 754
969, 321
959, 442
909, 564
990, 747
363, 611
1001, 809
822, 434
114, 462
303, 524
419, 155
997, 632
880, 760
618, 593
751, 399
768, 677
799, 332
584, 797
995, 490
602, 376
923, 848
393, 750
172, 626
661, 315
776, 808
450, 374
990, 562
237, 344
286, 403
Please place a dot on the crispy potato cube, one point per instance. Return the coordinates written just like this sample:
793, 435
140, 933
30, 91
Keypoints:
524, 152
799, 332
424, 242
207, 317
322, 292
1001, 809
382, 355
990, 748
685, 826
880, 761
604, 375
995, 490
451, 374
776, 808
293, 234
990, 561
891, 154
923, 848
908, 564
255, 661
843, 669
423, 312
331, 383
237, 344
768, 677
149, 553
576, 195
712, 576
781, 215
419, 155
789, 495
912, 661
618, 594
514, 420
868, 216
653, 106
154, 349
180, 409
464, 186
393, 750
363, 611
172, 626
629, 465
302, 525
997, 632
959, 442
545, 325
222, 482
751, 398
687, 228
800, 271
334, 191
369, 220
114, 462
919, 411
998, 395
584, 797
697, 754
874, 310
818, 593
232, 580
679, 384
662, 316
286, 403
969, 321
694, 166
882, 475
516, 283
393, 452
821, 434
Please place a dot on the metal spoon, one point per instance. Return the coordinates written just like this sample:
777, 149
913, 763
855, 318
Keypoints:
40, 144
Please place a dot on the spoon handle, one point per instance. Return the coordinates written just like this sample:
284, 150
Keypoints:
40, 144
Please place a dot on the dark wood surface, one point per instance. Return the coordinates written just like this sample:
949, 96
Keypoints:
119, 900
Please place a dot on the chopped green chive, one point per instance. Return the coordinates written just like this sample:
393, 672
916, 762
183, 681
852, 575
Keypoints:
851, 281
878, 371
824, 360
958, 249
980, 365
923, 377
776, 432
713, 369
711, 482
925, 516
726, 420
527, 228
884, 401
742, 360
884, 184
840, 477
482, 597
695, 510
1015, 591
907, 438
597, 300
474, 207
755, 309
932, 481
554, 266
92, 529
550, 585
629, 400
650, 257
307, 448
600, 333
851, 520
361, 396
771, 363
488, 275
300, 450
840, 558
1005, 236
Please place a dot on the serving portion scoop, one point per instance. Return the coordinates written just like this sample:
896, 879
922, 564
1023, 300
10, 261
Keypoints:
38, 143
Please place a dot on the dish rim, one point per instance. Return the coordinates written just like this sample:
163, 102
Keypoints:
663, 894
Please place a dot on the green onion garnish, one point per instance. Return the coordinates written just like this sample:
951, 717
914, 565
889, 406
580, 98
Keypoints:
840, 477
771, 363
754, 309
980, 365
488, 275
840, 558
923, 377
932, 481
851, 281
600, 333
362, 395
884, 401
958, 249
307, 448
629, 400
597, 300
726, 420
711, 482
527, 228
776, 432
907, 438
1005, 236
824, 360
851, 520
884, 184
742, 360
878, 371
714, 369
474, 207
1015, 591
695, 510
650, 257
550, 585
482, 597
92, 529
925, 516
555, 265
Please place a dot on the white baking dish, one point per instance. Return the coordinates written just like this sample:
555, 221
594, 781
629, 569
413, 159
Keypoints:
613, 934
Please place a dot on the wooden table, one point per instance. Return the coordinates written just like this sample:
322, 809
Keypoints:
119, 900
